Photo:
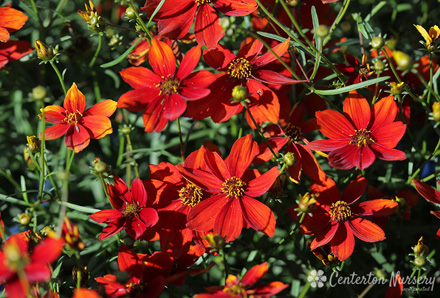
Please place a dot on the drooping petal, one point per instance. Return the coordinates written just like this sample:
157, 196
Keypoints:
309, 163
161, 58
54, 114
333, 125
366, 230
280, 49
272, 77
229, 220
258, 215
189, 62
118, 193
387, 153
254, 274
342, 244
75, 101
112, 229
152, 116
242, 154
264, 153
268, 290
138, 193
140, 77
430, 194
376, 208
203, 215
138, 99
104, 108
262, 184
77, 138
56, 131
177, 27
358, 110
326, 235
235, 7
354, 190
98, 126
250, 48
207, 28
351, 156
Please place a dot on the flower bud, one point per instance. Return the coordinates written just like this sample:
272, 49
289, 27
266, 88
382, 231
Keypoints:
43, 52
377, 43
33, 143
30, 163
239, 93
292, 3
379, 66
126, 129
420, 248
322, 31
289, 159
404, 62
24, 219
396, 88
130, 13
39, 93
48, 232
419, 261
215, 241
100, 166
436, 111
307, 201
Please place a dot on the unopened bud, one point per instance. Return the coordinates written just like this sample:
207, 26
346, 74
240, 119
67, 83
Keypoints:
239, 93
322, 31
24, 219
419, 261
48, 232
130, 13
420, 248
379, 66
126, 130
43, 52
436, 111
39, 93
289, 159
404, 62
307, 201
377, 43
100, 166
33, 143
396, 88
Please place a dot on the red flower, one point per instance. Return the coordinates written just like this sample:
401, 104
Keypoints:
360, 136
245, 69
10, 20
337, 221
162, 93
13, 50
356, 71
131, 211
431, 195
79, 126
232, 205
244, 287
175, 17
18, 267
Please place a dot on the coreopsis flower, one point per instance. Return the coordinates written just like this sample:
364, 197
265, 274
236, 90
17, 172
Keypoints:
19, 268
161, 93
175, 17
130, 211
71, 236
336, 220
232, 205
361, 134
10, 20
246, 69
245, 286
85, 293
13, 50
431, 36
293, 134
79, 125
431, 195
357, 72
92, 17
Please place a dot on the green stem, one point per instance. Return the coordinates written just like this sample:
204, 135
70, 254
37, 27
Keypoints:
121, 150
366, 290
42, 162
130, 159
182, 146
240, 132
63, 207
424, 164
305, 290
225, 263
51, 179
338, 19
430, 78
141, 22
259, 131
101, 177
59, 76
98, 49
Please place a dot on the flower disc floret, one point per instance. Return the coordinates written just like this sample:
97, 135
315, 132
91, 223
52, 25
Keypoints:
239, 68
169, 86
130, 210
201, 2
190, 195
293, 132
361, 137
233, 187
340, 211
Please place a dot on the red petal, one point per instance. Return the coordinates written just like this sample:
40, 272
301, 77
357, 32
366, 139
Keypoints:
328, 145
309, 163
173, 107
56, 131
358, 110
272, 77
198, 79
140, 77
4, 34
104, 108
384, 112
280, 49
47, 251
106, 216
342, 244
326, 235
395, 288
366, 230
250, 48
219, 58
13, 50
206, 180
203, 215
193, 93
152, 116
235, 7
254, 274
386, 153
75, 101
269, 290
262, 184
351, 156
162, 59
354, 190
54, 114
118, 193
37, 272
189, 62
178, 27
135, 227
12, 20
229, 221
426, 191
207, 27
389, 135
264, 153
138, 100
328, 192
376, 208
264, 105
258, 215
77, 138
17, 289
242, 153
98, 126
138, 193
333, 125
112, 229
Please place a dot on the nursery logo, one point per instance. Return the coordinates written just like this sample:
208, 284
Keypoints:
317, 278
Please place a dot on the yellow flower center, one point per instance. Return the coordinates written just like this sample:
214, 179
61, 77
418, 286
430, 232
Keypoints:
363, 71
73, 118
236, 291
131, 209
168, 86
293, 132
361, 137
340, 211
239, 68
233, 187
190, 195
201, 2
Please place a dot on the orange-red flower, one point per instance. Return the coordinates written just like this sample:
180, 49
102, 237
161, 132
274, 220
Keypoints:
244, 287
130, 211
79, 125
362, 134
232, 206
431, 195
10, 20
18, 267
336, 220
356, 71
13, 50
175, 17
162, 93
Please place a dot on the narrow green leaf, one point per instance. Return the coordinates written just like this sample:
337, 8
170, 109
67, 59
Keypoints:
122, 57
375, 10
315, 21
81, 208
351, 87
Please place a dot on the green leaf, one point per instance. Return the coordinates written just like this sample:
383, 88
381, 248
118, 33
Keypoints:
79, 208
375, 10
122, 57
315, 21
351, 87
